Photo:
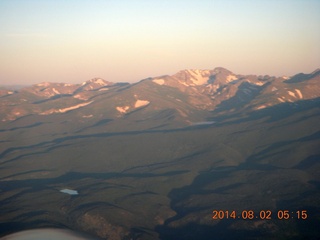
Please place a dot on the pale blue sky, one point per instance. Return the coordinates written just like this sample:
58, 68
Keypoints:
73, 41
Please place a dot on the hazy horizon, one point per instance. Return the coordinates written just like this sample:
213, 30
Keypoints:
126, 41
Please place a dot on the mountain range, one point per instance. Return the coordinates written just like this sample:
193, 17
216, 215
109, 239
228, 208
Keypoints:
188, 96
154, 159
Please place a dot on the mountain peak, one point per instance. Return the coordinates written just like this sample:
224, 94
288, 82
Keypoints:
221, 70
316, 72
94, 84
97, 80
193, 76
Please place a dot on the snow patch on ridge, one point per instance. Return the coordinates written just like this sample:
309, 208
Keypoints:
43, 84
183, 83
100, 81
103, 89
55, 91
78, 96
63, 110
259, 83
231, 78
299, 93
123, 109
291, 94
141, 103
197, 76
158, 81
261, 107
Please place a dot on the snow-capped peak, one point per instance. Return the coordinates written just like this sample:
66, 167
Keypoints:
94, 84
193, 76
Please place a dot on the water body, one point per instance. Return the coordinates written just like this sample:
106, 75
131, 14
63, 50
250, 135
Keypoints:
69, 191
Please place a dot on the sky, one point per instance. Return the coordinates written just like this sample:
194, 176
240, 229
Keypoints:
128, 40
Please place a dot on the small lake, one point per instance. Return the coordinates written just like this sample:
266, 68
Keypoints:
69, 191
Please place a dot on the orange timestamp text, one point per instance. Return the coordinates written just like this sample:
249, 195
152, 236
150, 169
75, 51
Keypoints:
262, 214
